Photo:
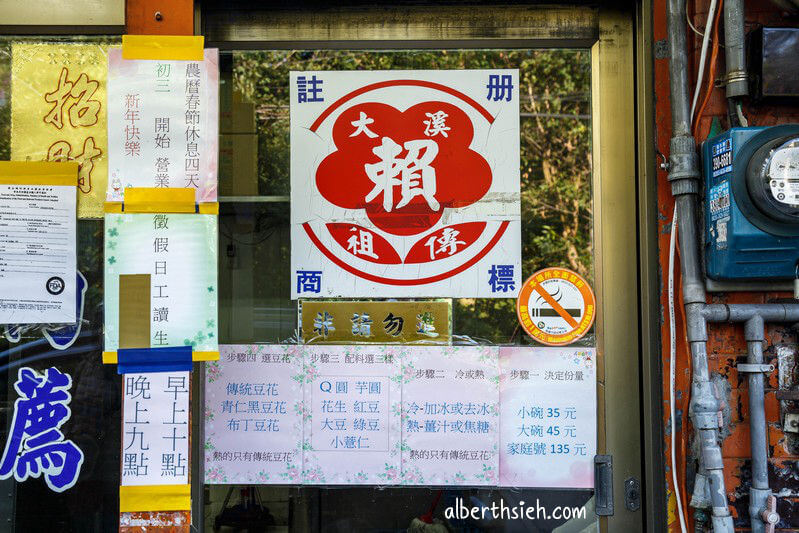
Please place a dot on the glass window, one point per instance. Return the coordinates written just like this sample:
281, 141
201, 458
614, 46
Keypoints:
94, 424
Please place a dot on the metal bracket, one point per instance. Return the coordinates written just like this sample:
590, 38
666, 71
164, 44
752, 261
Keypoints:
769, 514
632, 494
749, 367
603, 484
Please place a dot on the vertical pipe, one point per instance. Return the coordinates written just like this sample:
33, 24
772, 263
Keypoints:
704, 414
759, 492
684, 179
737, 82
678, 70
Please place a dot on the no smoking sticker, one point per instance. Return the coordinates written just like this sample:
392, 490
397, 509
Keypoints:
556, 306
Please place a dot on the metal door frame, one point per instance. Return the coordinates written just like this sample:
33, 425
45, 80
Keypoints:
621, 164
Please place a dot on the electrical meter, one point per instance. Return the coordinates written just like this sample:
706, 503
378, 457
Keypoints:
752, 203
773, 179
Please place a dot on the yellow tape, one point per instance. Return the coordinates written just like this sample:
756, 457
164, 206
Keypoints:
113, 207
164, 47
210, 208
159, 200
38, 173
111, 358
134, 498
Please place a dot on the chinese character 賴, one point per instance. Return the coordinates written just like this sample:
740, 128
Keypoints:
500, 87
416, 175
501, 278
309, 89
35, 444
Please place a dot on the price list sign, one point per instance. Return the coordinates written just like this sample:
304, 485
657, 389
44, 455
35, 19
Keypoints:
548, 417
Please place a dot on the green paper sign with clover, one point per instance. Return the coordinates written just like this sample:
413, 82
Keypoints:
179, 252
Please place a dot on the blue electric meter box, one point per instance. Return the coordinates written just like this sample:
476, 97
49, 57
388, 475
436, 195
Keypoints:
751, 205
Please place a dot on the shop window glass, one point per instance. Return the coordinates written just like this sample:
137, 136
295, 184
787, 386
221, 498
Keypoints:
94, 425
254, 256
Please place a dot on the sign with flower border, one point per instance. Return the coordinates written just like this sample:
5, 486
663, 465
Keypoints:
352, 425
450, 416
254, 415
178, 252
405, 183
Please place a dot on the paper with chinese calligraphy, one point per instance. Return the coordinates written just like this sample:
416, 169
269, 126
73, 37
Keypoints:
38, 280
178, 251
58, 113
352, 409
163, 124
548, 417
254, 415
405, 183
450, 416
156, 429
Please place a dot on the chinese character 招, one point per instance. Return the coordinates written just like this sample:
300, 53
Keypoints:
74, 99
35, 444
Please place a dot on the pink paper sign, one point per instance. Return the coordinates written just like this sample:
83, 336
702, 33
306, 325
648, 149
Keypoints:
450, 412
548, 417
352, 415
253, 415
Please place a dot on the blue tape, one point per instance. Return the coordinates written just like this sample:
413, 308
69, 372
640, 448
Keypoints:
166, 359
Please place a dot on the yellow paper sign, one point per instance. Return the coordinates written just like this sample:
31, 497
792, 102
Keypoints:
58, 113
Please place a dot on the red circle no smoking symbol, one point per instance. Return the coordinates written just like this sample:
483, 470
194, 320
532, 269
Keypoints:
556, 306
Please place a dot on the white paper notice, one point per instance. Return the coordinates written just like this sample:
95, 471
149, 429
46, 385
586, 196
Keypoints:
253, 415
450, 413
155, 429
352, 426
37, 254
548, 417
163, 124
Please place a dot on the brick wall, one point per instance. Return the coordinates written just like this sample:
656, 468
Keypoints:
726, 344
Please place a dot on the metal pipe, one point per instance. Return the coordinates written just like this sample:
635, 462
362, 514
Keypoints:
736, 78
775, 312
759, 491
684, 179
